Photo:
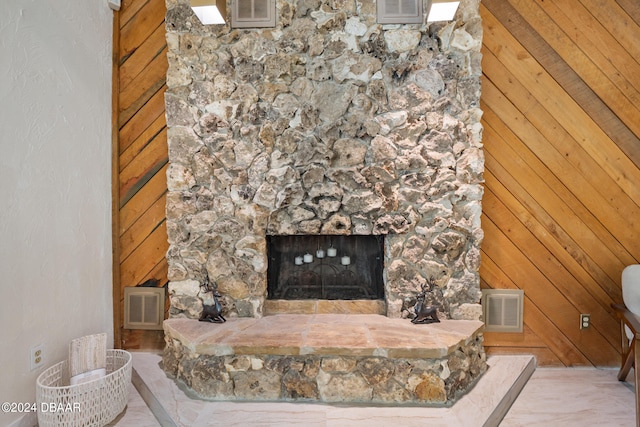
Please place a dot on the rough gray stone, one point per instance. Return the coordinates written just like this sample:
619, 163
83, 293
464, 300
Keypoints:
297, 386
391, 392
348, 152
257, 385
350, 387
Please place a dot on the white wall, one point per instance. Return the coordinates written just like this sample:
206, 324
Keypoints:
55, 183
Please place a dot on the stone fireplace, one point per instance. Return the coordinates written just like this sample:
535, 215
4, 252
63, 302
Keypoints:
326, 126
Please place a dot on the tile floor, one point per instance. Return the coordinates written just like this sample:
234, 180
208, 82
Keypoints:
552, 396
574, 397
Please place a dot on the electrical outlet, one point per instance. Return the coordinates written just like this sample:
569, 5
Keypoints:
585, 321
36, 356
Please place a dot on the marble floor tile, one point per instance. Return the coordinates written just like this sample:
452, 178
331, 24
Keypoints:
136, 413
550, 397
474, 409
573, 397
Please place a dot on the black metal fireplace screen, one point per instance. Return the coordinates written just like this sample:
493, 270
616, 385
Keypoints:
325, 267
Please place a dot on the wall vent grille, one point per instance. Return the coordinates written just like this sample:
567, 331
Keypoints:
399, 12
143, 308
502, 310
253, 13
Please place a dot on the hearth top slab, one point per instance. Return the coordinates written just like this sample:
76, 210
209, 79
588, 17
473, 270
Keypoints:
323, 334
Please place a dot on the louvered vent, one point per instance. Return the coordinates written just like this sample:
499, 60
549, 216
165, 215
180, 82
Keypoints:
399, 11
253, 13
143, 308
502, 309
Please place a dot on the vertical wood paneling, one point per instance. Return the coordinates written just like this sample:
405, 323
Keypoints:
560, 212
141, 158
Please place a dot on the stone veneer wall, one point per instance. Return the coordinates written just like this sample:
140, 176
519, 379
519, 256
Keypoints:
328, 123
329, 379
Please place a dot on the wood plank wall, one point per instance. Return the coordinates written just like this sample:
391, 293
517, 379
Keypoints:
140, 159
561, 102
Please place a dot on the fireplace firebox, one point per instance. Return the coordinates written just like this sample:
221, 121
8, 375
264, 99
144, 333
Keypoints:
325, 267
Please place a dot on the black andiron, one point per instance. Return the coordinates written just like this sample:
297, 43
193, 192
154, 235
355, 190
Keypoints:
212, 313
426, 313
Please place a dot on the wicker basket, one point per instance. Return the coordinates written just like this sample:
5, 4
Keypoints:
93, 403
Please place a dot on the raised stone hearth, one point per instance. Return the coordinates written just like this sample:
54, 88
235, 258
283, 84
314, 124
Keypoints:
326, 358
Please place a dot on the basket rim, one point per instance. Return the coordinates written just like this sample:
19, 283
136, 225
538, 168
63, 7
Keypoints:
87, 383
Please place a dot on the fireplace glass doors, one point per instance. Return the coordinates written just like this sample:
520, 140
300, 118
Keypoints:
325, 267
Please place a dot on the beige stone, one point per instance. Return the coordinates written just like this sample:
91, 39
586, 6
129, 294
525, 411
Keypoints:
232, 287
346, 387
257, 385
338, 364
431, 389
